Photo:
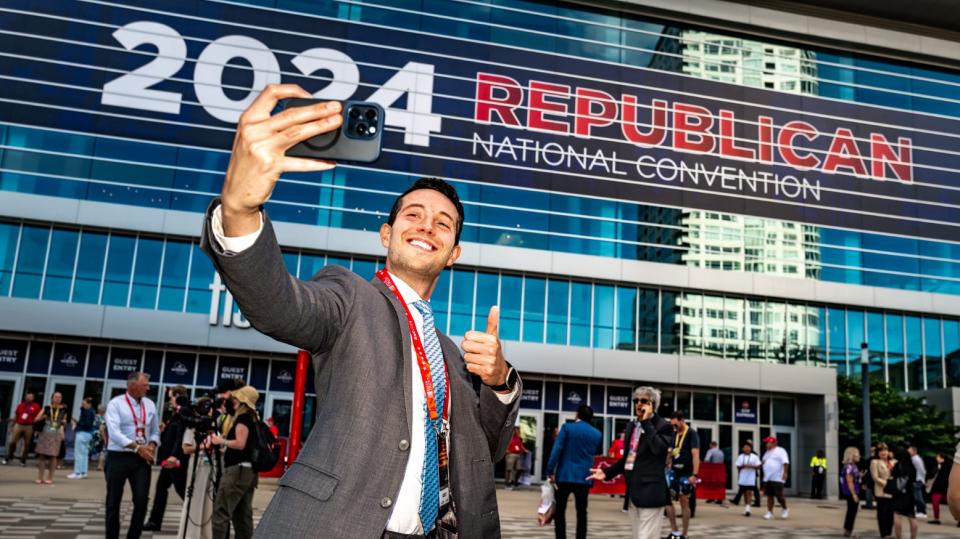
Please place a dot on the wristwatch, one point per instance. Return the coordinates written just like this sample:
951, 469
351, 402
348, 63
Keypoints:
511, 380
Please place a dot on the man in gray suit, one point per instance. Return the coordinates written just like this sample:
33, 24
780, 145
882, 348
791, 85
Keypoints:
395, 395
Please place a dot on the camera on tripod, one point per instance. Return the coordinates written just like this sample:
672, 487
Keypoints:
196, 415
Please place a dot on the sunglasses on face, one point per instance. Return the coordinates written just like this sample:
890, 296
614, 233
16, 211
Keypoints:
641, 401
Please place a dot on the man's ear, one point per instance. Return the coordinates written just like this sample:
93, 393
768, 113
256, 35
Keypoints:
385, 231
454, 255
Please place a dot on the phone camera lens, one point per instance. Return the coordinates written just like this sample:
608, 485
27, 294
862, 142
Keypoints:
362, 129
354, 113
371, 114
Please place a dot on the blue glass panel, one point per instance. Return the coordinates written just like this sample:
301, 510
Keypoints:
146, 273
153, 364
259, 370
461, 307
136, 173
534, 297
581, 301
913, 331
552, 398
38, 359
487, 290
933, 353
647, 321
511, 296
366, 269
201, 277
291, 259
895, 352
116, 283
206, 368
603, 307
558, 299
440, 301
97, 362
855, 337
875, 346
93, 249
33, 251
951, 349
63, 254
310, 265
818, 353
40, 164
9, 235
626, 338
669, 322
173, 280
837, 340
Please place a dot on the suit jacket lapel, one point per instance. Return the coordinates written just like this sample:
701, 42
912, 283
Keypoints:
405, 349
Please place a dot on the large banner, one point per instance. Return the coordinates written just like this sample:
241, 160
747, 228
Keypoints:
464, 108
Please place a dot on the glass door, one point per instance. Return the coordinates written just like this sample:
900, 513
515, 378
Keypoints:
529, 423
279, 408
8, 404
71, 391
745, 435
784, 436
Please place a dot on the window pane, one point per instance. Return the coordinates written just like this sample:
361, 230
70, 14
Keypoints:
875, 346
603, 316
714, 326
705, 406
33, 251
754, 330
439, 301
734, 311
895, 352
9, 234
146, 273
818, 350
365, 268
116, 284
932, 352
776, 327
726, 408
487, 285
461, 309
951, 347
913, 330
626, 318
647, 302
669, 322
310, 265
580, 304
855, 337
63, 253
93, 249
173, 283
837, 338
783, 413
557, 302
692, 324
511, 295
534, 296
201, 275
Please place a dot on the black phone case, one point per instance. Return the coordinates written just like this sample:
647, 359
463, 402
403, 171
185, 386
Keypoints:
339, 145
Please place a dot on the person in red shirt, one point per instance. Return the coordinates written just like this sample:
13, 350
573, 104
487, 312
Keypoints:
23, 419
515, 453
616, 448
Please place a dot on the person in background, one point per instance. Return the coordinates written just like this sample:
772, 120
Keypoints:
650, 438
684, 469
82, 439
714, 456
880, 471
55, 418
514, 459
747, 465
570, 462
24, 417
818, 471
868, 478
850, 488
755, 489
196, 520
776, 470
170, 455
953, 486
274, 429
616, 451
99, 442
939, 481
234, 499
919, 482
904, 500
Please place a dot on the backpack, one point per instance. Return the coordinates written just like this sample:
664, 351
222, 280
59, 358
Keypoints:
265, 453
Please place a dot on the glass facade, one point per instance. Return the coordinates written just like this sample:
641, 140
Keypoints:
138, 171
172, 274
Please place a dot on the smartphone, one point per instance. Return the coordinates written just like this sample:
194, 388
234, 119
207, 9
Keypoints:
357, 140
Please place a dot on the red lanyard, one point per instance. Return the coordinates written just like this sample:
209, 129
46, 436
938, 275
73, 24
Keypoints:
143, 415
635, 438
424, 365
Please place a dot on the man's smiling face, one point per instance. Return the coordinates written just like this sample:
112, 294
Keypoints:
422, 240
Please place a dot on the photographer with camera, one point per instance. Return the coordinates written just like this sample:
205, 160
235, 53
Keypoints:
173, 470
196, 519
234, 499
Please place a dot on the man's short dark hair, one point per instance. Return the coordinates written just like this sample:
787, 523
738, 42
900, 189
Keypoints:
435, 184
677, 415
585, 413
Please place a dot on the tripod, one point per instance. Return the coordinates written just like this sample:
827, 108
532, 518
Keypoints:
198, 456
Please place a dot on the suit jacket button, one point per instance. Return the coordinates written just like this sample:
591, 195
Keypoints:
386, 502
404, 445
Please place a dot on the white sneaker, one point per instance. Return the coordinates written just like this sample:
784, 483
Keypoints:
74, 476
921, 515
767, 516
785, 514
746, 512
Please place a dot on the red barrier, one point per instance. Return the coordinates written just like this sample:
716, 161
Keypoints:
713, 481
281, 466
617, 485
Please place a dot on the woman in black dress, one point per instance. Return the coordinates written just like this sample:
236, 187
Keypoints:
901, 486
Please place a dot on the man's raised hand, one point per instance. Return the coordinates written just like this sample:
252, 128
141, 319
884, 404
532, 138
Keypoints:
483, 354
257, 159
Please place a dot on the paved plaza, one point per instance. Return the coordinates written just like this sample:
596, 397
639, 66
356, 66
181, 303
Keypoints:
74, 510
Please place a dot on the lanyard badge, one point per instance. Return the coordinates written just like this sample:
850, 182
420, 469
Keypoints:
140, 427
634, 445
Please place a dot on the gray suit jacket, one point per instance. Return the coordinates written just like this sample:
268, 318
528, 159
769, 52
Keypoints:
348, 475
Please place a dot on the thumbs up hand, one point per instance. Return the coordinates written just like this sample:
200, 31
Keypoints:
483, 354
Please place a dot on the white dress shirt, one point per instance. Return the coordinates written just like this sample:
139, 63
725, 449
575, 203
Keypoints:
122, 430
405, 517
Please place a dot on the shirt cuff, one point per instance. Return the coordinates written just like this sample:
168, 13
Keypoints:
237, 244
509, 397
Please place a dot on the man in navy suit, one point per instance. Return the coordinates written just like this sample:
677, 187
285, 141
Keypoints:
569, 465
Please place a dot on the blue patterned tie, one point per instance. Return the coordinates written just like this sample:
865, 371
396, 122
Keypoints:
430, 495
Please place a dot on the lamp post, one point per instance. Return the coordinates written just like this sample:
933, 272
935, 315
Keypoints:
865, 383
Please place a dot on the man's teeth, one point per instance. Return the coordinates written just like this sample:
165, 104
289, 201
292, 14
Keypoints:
421, 244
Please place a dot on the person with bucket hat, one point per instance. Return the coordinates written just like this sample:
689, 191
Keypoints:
234, 499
